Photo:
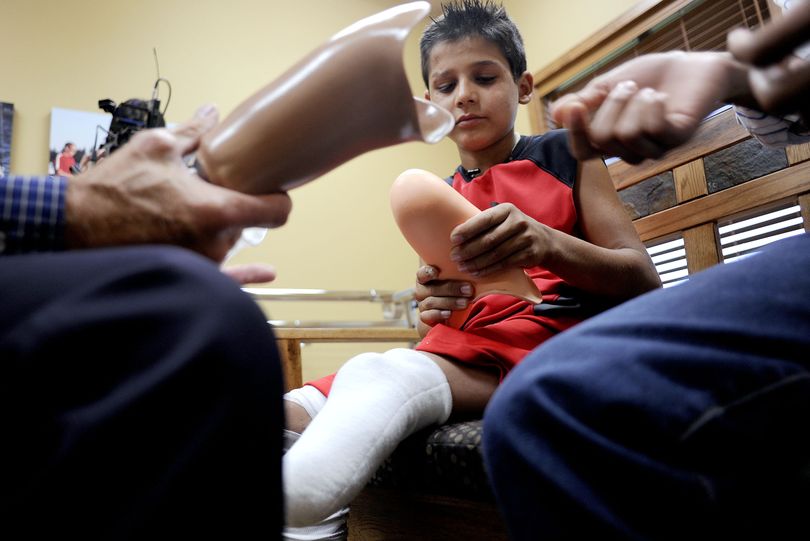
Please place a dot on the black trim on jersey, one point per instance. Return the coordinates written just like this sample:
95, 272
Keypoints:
548, 151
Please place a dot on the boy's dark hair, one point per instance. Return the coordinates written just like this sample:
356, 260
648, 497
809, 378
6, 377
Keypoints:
469, 18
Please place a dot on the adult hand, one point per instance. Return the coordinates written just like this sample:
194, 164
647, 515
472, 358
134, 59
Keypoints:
144, 193
498, 238
650, 104
251, 273
438, 298
779, 81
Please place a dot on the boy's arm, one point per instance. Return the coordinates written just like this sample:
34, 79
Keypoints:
611, 261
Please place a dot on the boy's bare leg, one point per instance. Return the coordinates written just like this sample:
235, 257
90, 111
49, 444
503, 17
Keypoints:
297, 417
471, 386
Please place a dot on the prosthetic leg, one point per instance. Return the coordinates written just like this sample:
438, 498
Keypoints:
347, 97
427, 209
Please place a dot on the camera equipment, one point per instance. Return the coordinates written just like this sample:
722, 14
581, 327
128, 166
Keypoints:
131, 116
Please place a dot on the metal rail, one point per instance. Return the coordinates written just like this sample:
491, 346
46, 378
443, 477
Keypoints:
397, 305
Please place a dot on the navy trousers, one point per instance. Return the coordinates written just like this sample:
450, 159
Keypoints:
682, 414
140, 398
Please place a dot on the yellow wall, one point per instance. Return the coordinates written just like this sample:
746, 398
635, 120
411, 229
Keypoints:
340, 234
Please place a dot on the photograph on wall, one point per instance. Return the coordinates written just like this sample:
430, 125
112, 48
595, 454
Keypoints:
6, 118
74, 136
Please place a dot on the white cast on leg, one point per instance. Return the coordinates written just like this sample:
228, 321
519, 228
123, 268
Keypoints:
377, 400
332, 528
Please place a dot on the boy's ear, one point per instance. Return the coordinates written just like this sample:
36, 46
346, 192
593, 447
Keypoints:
525, 87
427, 95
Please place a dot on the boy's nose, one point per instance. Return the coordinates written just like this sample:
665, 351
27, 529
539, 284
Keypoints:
466, 93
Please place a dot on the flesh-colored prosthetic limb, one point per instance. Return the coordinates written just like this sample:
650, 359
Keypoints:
347, 97
427, 209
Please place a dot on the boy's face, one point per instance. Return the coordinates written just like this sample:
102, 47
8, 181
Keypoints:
471, 79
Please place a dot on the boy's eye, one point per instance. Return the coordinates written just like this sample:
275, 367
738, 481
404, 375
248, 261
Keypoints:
445, 88
485, 79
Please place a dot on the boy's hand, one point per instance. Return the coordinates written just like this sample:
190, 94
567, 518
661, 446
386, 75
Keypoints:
438, 298
498, 238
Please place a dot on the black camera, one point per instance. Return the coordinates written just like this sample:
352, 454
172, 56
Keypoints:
127, 118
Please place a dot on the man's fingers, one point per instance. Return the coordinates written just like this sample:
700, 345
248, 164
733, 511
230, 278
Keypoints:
253, 273
188, 133
642, 124
781, 88
575, 118
775, 40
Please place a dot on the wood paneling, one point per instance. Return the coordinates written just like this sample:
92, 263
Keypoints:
798, 153
716, 133
690, 181
787, 182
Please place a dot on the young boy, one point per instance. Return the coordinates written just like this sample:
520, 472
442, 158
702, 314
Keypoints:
557, 218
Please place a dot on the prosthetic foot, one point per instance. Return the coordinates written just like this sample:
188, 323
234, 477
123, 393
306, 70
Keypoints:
427, 209
347, 97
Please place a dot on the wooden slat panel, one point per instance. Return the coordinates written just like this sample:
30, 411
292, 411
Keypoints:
718, 132
701, 247
787, 182
690, 181
798, 153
